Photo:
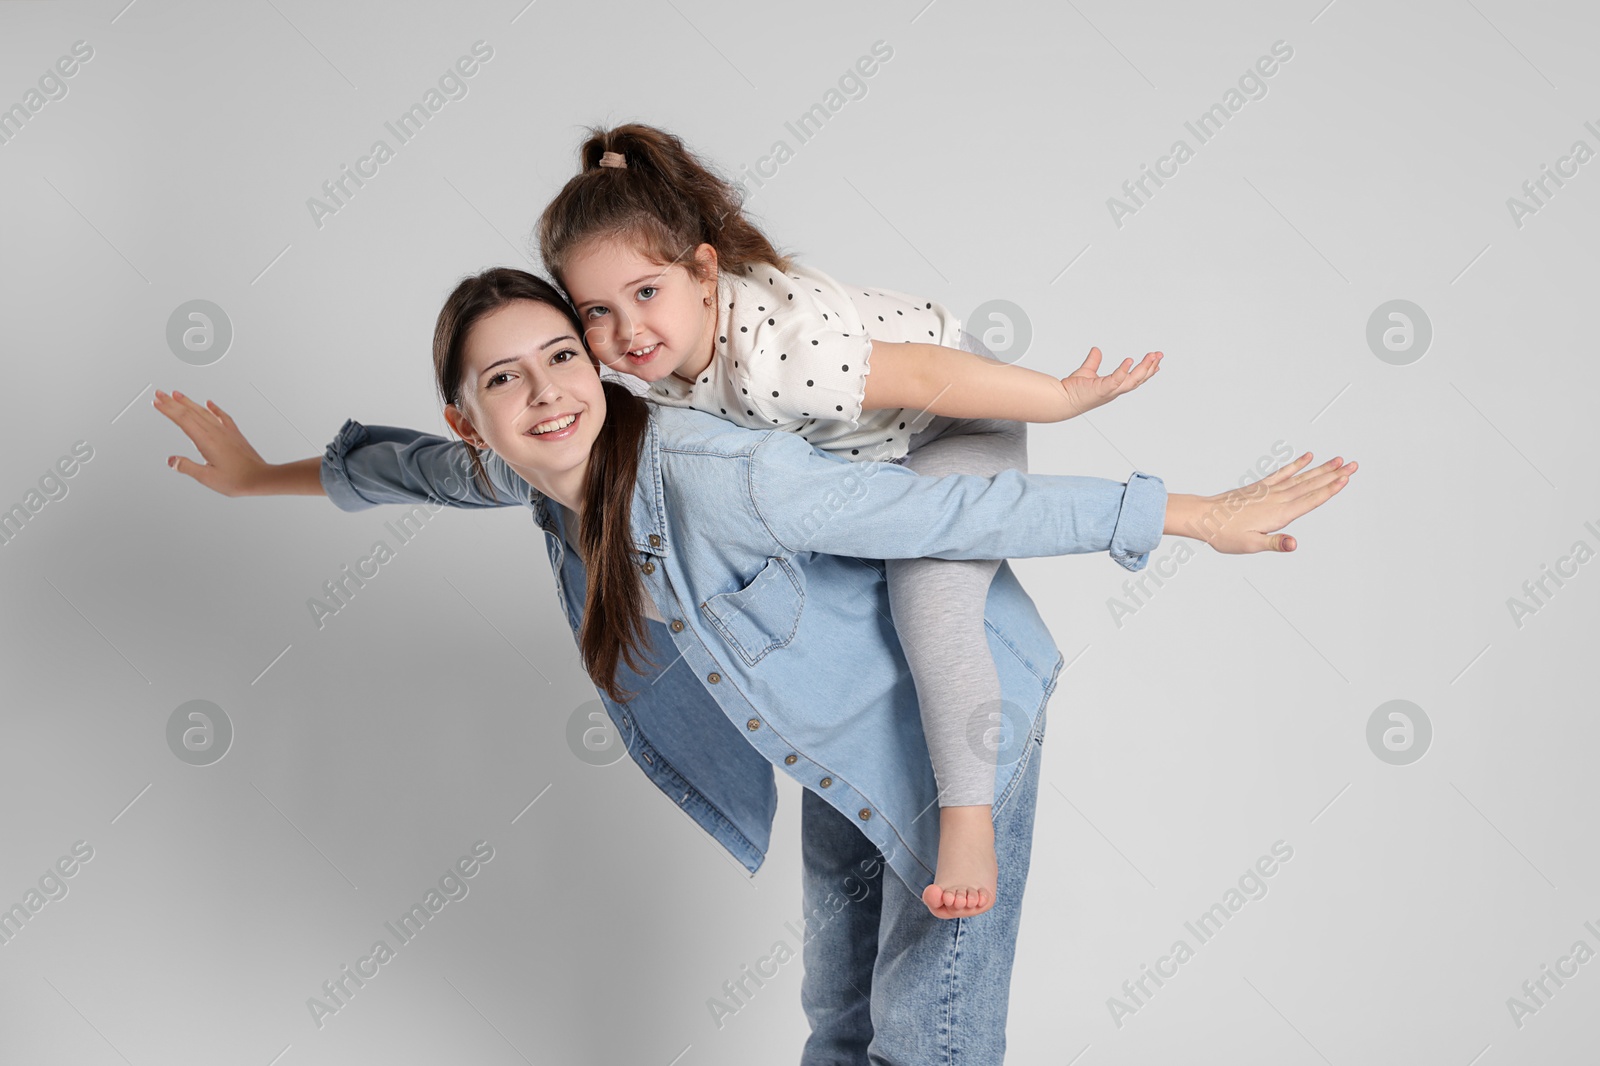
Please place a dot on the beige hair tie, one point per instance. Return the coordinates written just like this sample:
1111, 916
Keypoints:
613, 159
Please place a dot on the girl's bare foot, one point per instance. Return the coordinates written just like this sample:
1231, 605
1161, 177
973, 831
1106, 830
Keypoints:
967, 874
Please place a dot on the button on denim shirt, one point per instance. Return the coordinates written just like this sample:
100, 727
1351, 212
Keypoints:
766, 555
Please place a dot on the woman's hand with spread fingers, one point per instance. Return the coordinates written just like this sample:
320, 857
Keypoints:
232, 467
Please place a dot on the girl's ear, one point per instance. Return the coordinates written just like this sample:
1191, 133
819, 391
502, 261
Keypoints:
706, 256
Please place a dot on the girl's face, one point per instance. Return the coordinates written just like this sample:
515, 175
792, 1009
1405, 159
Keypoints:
525, 369
640, 317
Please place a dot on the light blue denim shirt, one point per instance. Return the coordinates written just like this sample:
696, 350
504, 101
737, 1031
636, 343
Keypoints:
765, 556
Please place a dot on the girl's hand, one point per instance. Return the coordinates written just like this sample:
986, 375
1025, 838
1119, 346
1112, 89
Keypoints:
232, 467
1086, 389
1239, 522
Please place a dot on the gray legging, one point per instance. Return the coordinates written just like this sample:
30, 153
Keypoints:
938, 611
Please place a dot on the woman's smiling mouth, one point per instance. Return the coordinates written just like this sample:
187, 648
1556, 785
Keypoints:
559, 428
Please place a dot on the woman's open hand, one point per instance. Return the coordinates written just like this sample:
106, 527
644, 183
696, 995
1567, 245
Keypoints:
232, 467
1243, 520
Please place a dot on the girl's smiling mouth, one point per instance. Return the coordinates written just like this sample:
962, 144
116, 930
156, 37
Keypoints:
645, 354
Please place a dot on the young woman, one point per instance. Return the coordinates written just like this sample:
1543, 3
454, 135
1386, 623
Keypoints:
753, 558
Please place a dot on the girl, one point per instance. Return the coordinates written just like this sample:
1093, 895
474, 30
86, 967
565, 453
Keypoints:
677, 288
782, 656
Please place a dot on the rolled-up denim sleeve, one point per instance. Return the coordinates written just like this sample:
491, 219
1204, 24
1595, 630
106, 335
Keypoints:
1140, 520
368, 465
812, 501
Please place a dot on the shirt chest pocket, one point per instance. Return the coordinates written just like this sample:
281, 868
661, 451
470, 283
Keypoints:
764, 614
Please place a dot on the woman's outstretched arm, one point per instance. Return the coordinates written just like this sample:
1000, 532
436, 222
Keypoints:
232, 466
811, 501
303, 477
364, 466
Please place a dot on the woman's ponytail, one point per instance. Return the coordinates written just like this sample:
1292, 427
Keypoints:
614, 629
614, 626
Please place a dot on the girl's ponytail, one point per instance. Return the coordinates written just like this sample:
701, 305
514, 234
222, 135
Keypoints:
660, 196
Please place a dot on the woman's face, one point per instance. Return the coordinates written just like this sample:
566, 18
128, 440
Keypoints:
525, 369
640, 317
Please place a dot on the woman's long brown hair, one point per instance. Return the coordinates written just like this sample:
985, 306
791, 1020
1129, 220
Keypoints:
613, 615
666, 201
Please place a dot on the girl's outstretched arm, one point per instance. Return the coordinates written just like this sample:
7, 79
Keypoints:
958, 384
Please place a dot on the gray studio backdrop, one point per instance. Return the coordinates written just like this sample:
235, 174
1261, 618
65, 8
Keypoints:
1376, 241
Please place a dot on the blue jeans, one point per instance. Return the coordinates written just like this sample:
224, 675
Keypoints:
888, 984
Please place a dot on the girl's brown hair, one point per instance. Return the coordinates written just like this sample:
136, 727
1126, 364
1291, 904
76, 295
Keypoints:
613, 615
664, 200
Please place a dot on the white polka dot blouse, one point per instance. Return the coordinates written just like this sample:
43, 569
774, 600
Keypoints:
791, 353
